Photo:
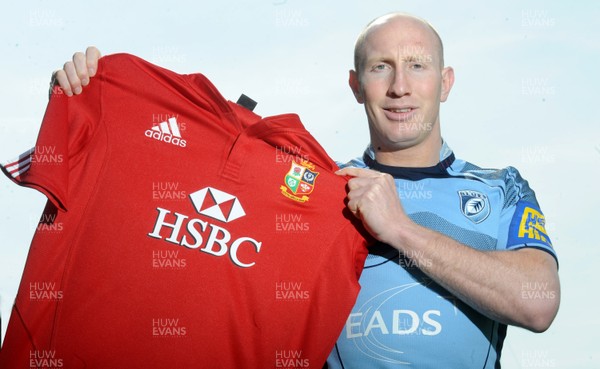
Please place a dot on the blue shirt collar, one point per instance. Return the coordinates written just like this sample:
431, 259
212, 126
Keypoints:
413, 173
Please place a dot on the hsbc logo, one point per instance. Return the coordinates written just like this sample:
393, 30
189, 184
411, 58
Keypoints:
217, 204
196, 233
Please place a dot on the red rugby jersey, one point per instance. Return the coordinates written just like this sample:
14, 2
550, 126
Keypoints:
181, 231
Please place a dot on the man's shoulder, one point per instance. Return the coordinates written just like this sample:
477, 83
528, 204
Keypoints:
508, 179
357, 162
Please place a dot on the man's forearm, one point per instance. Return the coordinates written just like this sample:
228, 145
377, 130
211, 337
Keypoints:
513, 287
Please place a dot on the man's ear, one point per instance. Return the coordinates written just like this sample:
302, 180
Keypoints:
355, 86
447, 82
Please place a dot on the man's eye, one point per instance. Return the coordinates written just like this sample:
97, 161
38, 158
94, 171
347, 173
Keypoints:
379, 67
417, 66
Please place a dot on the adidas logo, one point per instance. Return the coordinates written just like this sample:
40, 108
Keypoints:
167, 132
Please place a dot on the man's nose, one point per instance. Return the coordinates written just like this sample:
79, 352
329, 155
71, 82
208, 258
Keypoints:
399, 85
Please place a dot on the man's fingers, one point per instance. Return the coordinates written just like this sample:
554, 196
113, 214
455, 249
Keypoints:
368, 188
353, 207
358, 190
80, 64
92, 54
77, 73
60, 77
362, 177
358, 183
358, 172
73, 83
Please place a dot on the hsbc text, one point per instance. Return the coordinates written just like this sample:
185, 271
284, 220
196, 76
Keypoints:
210, 238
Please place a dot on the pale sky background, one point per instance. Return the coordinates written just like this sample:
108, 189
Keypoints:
526, 74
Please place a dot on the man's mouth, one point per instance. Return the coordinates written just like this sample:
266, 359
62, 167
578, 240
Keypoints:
399, 113
401, 110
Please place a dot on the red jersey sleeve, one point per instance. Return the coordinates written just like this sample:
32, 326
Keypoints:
67, 127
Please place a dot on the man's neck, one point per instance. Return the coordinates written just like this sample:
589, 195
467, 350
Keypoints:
426, 154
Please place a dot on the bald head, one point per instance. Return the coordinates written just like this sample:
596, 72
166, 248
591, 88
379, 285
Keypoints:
399, 21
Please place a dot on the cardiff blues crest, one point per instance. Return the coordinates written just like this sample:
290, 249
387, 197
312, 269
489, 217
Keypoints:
299, 181
474, 205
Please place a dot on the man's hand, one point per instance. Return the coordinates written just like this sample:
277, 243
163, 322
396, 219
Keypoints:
372, 197
77, 73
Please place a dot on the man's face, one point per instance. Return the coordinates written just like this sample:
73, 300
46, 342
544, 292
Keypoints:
401, 82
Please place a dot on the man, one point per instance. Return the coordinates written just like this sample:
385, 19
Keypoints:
463, 251
446, 300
